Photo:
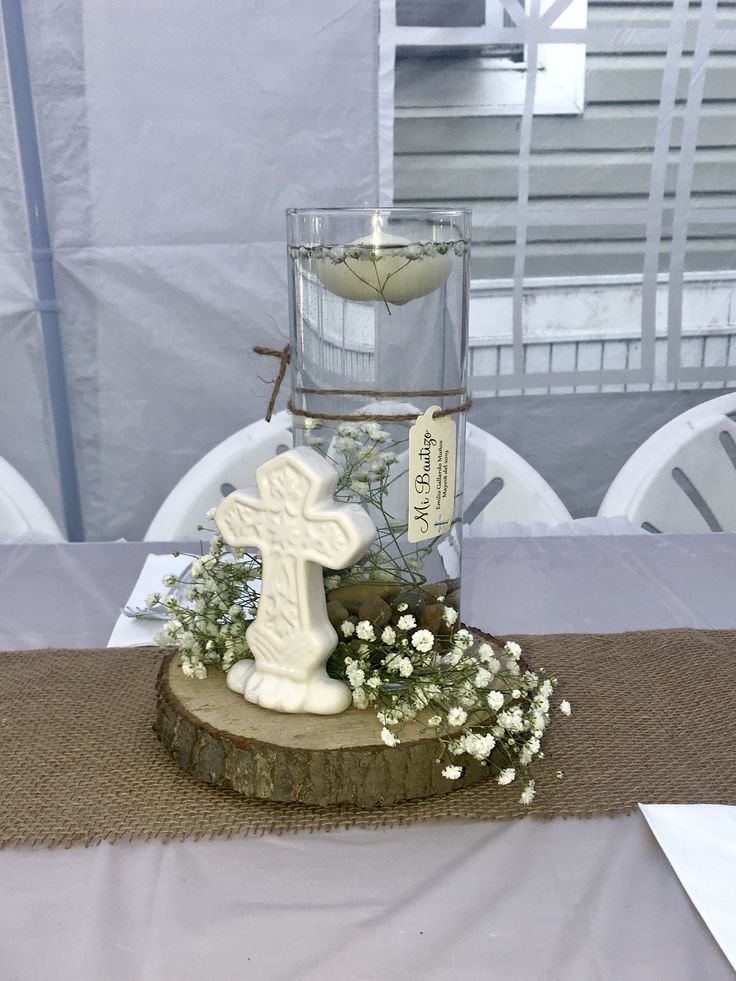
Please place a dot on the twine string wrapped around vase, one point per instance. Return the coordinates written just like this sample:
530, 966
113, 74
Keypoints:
284, 356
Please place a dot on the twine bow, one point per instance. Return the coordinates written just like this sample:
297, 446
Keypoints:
284, 356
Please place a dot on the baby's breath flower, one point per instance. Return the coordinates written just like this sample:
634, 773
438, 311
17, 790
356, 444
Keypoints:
449, 615
373, 431
194, 669
310, 423
565, 707
511, 719
452, 772
423, 640
512, 649
506, 776
374, 682
390, 738
406, 622
456, 716
527, 795
463, 638
347, 628
402, 606
478, 746
434, 721
355, 675
405, 667
483, 678
169, 580
388, 636
153, 599
365, 630
495, 700
360, 699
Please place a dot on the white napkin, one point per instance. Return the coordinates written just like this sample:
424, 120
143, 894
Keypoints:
699, 841
136, 633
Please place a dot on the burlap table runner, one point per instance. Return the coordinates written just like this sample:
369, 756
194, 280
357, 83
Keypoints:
653, 721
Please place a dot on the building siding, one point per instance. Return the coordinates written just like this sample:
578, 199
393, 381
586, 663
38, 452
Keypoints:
600, 159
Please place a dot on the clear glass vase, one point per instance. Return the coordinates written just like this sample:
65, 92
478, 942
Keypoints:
379, 334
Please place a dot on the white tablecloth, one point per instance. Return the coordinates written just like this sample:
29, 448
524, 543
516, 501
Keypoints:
577, 899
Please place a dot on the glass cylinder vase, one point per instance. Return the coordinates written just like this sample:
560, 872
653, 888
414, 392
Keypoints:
379, 341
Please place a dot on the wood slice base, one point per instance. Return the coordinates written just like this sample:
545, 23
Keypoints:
217, 737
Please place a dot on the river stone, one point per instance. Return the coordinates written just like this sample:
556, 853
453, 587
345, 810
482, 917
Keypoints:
431, 618
353, 596
413, 598
337, 613
436, 589
376, 610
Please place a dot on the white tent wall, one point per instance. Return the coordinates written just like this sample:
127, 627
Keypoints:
26, 433
172, 138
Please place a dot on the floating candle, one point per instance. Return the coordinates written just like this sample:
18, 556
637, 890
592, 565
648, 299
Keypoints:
384, 267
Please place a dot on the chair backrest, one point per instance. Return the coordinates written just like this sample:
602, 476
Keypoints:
683, 478
499, 485
229, 465
22, 512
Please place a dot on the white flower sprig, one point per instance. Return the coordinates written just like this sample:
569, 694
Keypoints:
219, 598
479, 699
343, 253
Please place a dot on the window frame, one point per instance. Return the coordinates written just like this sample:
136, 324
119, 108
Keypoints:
560, 84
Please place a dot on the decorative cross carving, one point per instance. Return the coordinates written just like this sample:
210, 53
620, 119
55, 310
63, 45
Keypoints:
298, 528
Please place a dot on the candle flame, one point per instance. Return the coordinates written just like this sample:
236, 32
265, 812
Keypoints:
377, 224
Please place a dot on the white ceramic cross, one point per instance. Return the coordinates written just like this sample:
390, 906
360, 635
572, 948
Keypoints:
298, 528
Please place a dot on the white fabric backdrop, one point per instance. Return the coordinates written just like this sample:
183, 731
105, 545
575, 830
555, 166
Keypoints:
172, 138
26, 436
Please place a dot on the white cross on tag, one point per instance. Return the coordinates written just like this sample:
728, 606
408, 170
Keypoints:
298, 528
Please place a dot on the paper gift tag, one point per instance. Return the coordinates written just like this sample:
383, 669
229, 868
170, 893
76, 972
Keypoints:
432, 446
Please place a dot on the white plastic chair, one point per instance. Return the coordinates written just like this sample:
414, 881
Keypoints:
23, 515
499, 485
501, 488
683, 478
228, 466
